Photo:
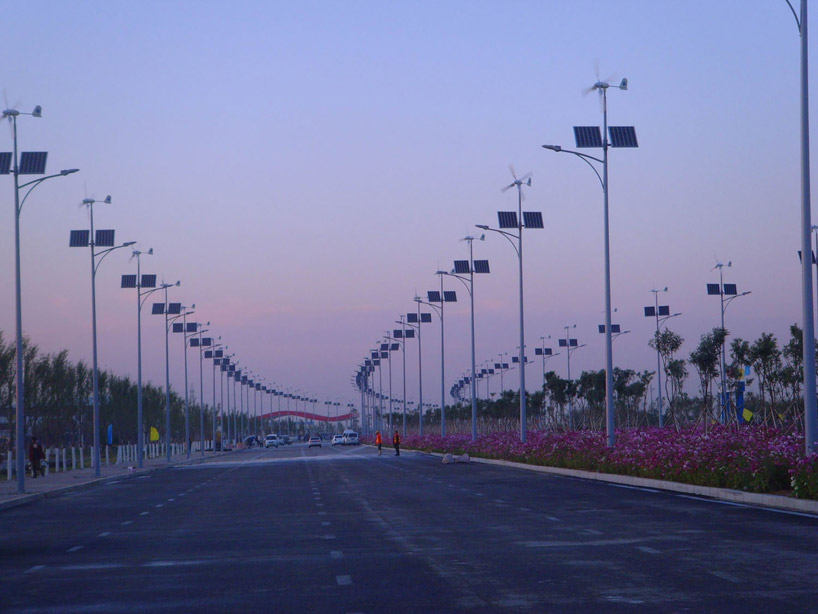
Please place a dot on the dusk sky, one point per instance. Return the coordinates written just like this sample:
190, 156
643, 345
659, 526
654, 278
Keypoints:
304, 168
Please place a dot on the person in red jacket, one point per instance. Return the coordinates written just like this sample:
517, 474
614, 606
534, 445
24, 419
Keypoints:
396, 443
378, 441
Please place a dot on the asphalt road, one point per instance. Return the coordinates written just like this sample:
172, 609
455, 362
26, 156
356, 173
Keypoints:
344, 530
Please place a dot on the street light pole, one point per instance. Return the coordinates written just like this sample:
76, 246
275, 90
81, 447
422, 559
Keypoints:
104, 238
32, 163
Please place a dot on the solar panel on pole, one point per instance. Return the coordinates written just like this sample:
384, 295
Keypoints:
548, 352
538, 351
385, 355
730, 289
384, 347
433, 296
191, 327
515, 359
128, 281
104, 238
532, 219
588, 136
174, 309
616, 329
623, 136
194, 342
207, 341
650, 312
572, 342
219, 353
450, 296
664, 310
410, 334
394, 347
481, 266
563, 343
149, 281
79, 238
178, 327
507, 219
5, 162
713, 289
33, 162
208, 354
505, 365
397, 333
426, 317
412, 318
461, 267
158, 309
373, 354
223, 367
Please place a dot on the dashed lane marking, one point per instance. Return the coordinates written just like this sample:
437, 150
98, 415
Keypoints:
343, 580
75, 549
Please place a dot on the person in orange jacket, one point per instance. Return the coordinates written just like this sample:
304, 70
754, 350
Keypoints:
379, 441
396, 443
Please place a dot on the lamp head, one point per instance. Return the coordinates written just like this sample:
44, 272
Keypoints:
37, 112
69, 171
128, 243
482, 227
553, 147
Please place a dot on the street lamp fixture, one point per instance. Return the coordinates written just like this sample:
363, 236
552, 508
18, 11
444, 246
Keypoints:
92, 239
518, 220
590, 136
570, 345
167, 309
723, 290
464, 270
662, 314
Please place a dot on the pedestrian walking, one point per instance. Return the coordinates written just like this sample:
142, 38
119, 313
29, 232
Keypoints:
379, 441
36, 456
396, 443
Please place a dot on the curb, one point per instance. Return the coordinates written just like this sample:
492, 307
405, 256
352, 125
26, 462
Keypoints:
56, 492
777, 502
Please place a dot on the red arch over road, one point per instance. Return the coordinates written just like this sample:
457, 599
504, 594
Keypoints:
309, 416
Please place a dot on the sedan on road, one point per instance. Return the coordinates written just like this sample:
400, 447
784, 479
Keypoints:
337, 440
314, 441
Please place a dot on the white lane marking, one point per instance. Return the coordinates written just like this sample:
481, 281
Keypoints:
75, 548
713, 501
181, 494
35, 568
343, 580
159, 505
553, 519
319, 505
325, 523
725, 576
91, 566
336, 554
125, 523
171, 500
144, 513
175, 563
329, 537
104, 534
524, 509
643, 489
648, 549
322, 513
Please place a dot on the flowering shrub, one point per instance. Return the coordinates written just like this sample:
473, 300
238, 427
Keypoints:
755, 459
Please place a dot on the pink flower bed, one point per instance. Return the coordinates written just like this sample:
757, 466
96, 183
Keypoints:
755, 459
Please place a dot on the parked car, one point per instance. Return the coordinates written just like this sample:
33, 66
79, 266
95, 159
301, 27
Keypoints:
351, 438
271, 441
337, 440
315, 440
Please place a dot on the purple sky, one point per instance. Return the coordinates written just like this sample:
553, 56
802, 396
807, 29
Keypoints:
305, 168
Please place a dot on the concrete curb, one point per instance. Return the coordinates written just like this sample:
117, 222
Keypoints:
56, 492
804, 506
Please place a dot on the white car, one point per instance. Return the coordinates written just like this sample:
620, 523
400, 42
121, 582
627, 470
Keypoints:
271, 441
351, 438
337, 440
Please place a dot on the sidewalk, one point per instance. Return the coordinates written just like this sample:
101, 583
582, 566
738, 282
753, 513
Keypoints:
57, 483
